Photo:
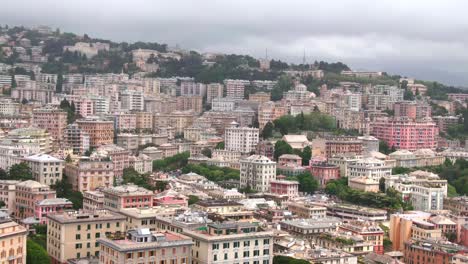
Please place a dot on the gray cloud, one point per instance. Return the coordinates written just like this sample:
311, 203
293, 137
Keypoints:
424, 39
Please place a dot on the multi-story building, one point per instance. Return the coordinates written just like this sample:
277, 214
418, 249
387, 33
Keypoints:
270, 111
190, 102
371, 168
144, 121
118, 155
287, 188
235, 88
101, 132
191, 88
414, 110
8, 194
457, 96
340, 145
430, 251
223, 104
256, 172
214, 90
31, 137
306, 210
132, 100
75, 234
324, 172
125, 121
28, 193
231, 242
362, 74
9, 106
369, 231
444, 122
50, 206
384, 96
402, 133
13, 240
310, 227
87, 175
127, 196
242, 139
145, 247
260, 97
75, 138
93, 200
349, 211
45, 168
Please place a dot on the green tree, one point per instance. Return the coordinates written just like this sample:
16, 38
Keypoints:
193, 199
382, 184
20, 171
306, 155
35, 254
288, 260
267, 131
68, 159
206, 152
282, 147
59, 84
284, 84
383, 147
64, 190
220, 145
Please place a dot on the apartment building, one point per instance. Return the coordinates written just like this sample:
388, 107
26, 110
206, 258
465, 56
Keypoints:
125, 121
101, 132
231, 242
45, 169
287, 188
76, 138
369, 231
132, 100
144, 121
342, 144
13, 240
93, 200
242, 139
414, 110
306, 210
190, 102
191, 88
28, 193
145, 247
118, 155
270, 111
75, 234
127, 196
403, 133
429, 251
223, 104
214, 90
8, 194
371, 168
53, 120
89, 174
235, 88
256, 172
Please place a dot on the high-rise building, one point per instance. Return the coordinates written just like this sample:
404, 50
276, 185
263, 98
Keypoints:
190, 102
214, 90
53, 120
101, 132
132, 100
256, 172
235, 88
75, 138
242, 139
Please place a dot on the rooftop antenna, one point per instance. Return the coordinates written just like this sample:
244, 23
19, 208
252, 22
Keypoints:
266, 54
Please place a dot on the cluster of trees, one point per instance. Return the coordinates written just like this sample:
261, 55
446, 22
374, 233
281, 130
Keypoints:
35, 254
175, 162
70, 108
307, 183
64, 189
213, 173
385, 149
20, 172
284, 84
282, 147
314, 121
288, 260
130, 175
391, 200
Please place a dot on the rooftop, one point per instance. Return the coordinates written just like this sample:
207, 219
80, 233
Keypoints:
86, 216
43, 158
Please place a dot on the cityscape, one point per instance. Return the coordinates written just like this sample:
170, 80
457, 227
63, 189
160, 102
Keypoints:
148, 153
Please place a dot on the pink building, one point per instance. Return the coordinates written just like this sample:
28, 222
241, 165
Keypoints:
280, 187
411, 109
50, 206
53, 120
403, 133
28, 194
289, 159
119, 156
324, 172
127, 196
125, 122
455, 96
170, 198
84, 106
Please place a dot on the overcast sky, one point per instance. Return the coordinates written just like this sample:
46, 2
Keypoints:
417, 38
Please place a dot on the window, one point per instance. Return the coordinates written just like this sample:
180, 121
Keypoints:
129, 255
256, 242
108, 225
266, 262
246, 254
88, 245
236, 255
246, 243
266, 241
225, 245
215, 246
225, 256
215, 257
88, 236
256, 252
98, 235
236, 244
266, 252
78, 236
78, 227
78, 245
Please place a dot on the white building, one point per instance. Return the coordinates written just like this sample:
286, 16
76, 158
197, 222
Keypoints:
45, 169
371, 168
256, 172
132, 100
223, 104
242, 139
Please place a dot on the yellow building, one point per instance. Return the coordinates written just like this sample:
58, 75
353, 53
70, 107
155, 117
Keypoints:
75, 234
13, 242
